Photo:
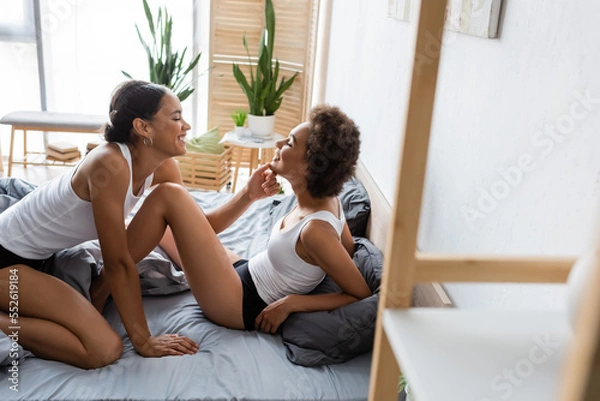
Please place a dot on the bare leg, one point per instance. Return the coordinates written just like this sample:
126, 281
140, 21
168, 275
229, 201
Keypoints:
213, 281
56, 322
167, 243
233, 257
100, 290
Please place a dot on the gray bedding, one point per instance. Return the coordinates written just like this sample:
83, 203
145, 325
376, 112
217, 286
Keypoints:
231, 364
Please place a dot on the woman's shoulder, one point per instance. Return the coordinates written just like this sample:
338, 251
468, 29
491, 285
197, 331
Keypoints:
331, 210
102, 162
108, 154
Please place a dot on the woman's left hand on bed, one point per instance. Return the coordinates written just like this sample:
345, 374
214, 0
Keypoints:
263, 183
273, 316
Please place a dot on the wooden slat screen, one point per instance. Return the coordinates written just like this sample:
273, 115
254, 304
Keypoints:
295, 34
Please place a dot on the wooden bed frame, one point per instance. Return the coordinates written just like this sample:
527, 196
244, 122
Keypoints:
378, 226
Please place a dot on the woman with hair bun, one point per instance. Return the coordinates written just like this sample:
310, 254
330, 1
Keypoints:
91, 201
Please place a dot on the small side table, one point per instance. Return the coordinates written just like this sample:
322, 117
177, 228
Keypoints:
255, 145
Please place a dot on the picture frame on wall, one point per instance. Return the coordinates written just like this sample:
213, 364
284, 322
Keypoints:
472, 17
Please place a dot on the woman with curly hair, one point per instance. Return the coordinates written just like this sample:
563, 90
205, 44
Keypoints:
312, 241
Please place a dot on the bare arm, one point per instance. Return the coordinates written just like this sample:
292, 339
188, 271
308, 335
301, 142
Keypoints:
120, 269
347, 240
325, 249
262, 183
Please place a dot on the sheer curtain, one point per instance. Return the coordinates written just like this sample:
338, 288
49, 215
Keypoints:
19, 88
86, 45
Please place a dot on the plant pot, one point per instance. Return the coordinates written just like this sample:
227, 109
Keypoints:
239, 130
261, 126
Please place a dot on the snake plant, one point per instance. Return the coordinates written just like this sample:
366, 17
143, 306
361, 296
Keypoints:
166, 65
263, 93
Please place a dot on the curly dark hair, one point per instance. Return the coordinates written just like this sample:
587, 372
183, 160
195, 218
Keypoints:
332, 151
132, 99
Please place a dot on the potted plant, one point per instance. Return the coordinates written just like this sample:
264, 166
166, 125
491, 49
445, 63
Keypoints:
403, 390
166, 66
239, 119
263, 93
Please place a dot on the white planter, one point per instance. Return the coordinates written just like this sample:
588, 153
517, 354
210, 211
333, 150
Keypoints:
240, 130
261, 126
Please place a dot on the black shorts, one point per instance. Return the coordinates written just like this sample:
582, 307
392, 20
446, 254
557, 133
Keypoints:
7, 258
252, 303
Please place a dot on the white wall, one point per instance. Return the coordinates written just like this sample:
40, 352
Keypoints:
501, 176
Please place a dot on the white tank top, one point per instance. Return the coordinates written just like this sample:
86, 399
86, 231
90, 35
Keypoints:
53, 217
279, 271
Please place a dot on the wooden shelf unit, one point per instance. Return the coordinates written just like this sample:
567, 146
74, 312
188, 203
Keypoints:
458, 355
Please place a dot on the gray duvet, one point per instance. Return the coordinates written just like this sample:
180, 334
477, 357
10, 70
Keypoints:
231, 364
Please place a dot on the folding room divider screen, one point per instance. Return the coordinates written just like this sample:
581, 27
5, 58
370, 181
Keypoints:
295, 37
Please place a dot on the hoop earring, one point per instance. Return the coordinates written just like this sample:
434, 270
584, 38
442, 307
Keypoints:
146, 143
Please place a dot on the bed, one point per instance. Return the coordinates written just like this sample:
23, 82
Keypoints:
231, 364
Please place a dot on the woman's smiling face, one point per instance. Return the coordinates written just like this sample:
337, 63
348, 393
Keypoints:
170, 127
289, 156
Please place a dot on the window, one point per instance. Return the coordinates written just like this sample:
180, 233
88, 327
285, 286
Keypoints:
16, 22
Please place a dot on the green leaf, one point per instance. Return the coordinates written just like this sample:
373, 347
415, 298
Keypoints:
126, 74
402, 383
192, 64
180, 62
285, 85
184, 94
270, 26
243, 82
249, 60
143, 42
149, 17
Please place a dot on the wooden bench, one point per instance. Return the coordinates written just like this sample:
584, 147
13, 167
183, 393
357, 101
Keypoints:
46, 121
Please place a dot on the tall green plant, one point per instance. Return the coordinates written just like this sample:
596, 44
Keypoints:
264, 96
166, 66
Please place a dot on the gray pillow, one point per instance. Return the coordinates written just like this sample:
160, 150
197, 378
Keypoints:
327, 337
357, 206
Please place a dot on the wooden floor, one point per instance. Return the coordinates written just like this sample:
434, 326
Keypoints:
37, 175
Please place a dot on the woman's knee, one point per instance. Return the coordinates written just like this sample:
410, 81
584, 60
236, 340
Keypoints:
169, 191
169, 196
109, 351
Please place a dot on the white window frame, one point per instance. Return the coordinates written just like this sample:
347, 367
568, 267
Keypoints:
23, 32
